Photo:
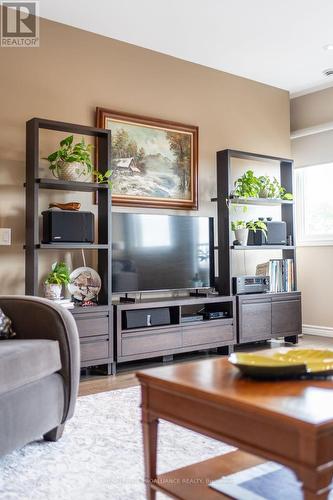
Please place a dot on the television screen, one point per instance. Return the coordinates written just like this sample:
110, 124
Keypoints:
161, 252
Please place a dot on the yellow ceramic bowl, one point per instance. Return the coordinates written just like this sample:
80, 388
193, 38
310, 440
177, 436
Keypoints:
286, 364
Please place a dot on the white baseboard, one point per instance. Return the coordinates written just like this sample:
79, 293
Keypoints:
322, 331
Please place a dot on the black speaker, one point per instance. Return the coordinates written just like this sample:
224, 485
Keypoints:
142, 318
67, 226
276, 234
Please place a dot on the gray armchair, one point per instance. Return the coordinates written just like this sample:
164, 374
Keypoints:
39, 371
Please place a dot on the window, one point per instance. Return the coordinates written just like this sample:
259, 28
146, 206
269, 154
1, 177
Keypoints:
314, 205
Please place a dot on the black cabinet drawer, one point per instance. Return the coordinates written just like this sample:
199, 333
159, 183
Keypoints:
91, 351
207, 334
153, 342
92, 325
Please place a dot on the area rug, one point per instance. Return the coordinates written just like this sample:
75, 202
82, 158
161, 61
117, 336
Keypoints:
100, 455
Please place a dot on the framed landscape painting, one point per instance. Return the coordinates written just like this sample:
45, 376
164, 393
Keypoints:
154, 162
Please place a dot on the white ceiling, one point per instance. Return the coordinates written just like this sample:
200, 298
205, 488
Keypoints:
278, 42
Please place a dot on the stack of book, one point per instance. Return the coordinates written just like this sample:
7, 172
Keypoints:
280, 272
66, 303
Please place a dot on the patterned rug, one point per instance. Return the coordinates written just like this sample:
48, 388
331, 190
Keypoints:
100, 455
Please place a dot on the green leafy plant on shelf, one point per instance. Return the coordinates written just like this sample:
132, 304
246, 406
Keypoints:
250, 186
241, 229
72, 162
238, 224
247, 186
272, 189
252, 225
257, 225
59, 274
55, 280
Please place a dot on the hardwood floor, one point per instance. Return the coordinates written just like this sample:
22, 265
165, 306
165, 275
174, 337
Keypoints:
94, 383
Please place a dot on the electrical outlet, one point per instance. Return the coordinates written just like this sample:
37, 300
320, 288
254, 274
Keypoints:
5, 236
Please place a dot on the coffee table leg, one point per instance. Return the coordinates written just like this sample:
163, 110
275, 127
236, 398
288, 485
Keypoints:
316, 486
149, 430
310, 495
150, 454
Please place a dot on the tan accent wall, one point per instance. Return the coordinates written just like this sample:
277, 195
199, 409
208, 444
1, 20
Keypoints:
311, 109
74, 71
315, 270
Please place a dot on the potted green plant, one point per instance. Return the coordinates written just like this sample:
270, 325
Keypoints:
72, 162
250, 186
265, 187
257, 225
241, 229
272, 189
58, 277
247, 186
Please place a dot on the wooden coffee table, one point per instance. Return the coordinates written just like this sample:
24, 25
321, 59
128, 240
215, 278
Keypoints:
290, 422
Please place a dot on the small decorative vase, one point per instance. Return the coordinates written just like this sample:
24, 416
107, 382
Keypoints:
242, 235
52, 291
72, 171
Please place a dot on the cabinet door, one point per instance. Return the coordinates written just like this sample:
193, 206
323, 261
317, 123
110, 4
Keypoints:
286, 317
255, 320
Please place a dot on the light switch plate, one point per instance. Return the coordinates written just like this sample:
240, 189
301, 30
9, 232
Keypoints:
5, 236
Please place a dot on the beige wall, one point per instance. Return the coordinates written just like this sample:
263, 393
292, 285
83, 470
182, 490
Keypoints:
315, 270
74, 71
311, 109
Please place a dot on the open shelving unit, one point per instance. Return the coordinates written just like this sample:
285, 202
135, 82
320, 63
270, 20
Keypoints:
260, 316
94, 323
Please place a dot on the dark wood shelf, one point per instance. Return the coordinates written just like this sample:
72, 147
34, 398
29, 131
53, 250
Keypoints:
258, 201
259, 316
95, 323
89, 309
244, 155
262, 247
69, 185
54, 246
170, 301
72, 128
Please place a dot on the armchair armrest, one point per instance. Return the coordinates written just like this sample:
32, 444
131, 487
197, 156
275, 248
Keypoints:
36, 318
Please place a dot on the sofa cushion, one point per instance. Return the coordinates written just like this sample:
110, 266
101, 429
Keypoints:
25, 361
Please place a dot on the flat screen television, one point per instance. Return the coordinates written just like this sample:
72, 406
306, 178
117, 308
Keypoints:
161, 252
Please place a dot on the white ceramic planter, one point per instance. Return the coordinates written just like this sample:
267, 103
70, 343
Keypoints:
242, 235
72, 172
52, 291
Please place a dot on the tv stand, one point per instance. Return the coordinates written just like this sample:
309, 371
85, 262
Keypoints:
174, 336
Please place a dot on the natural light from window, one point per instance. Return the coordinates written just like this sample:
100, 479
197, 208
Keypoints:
314, 205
